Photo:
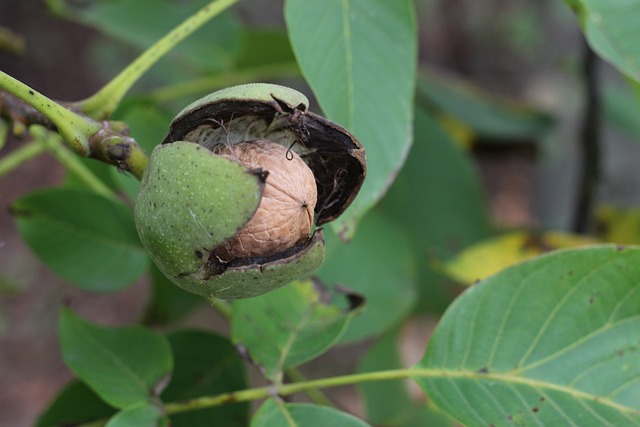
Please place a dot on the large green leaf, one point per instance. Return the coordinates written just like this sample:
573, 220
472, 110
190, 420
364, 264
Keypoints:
622, 109
123, 365
273, 413
75, 404
438, 201
291, 325
379, 264
553, 341
611, 27
205, 364
87, 239
359, 57
437, 195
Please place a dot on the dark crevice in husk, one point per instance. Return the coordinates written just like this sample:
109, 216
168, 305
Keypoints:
215, 266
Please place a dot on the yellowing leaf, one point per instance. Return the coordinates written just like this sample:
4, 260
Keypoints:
493, 255
618, 225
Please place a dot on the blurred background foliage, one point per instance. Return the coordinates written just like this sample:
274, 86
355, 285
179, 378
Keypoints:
491, 178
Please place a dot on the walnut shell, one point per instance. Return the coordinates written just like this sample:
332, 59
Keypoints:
228, 204
284, 217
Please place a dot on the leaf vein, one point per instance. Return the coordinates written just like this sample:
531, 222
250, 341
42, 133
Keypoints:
547, 324
576, 343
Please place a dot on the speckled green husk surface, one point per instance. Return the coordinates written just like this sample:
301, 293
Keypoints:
257, 92
189, 202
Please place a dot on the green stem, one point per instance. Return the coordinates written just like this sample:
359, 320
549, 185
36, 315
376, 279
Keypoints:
73, 164
287, 389
20, 155
315, 394
102, 104
221, 307
392, 374
74, 129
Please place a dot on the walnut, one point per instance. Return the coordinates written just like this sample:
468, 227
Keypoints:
285, 214
232, 201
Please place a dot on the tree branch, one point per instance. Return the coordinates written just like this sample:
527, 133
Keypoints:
590, 145
106, 141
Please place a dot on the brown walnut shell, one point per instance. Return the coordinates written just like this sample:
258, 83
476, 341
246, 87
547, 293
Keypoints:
284, 217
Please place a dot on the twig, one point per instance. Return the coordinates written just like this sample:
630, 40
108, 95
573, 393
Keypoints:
590, 145
105, 141
78, 123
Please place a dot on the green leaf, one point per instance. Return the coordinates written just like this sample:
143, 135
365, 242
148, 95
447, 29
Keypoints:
101, 170
206, 364
622, 109
552, 341
123, 365
142, 414
438, 201
611, 29
437, 196
273, 413
213, 47
87, 239
379, 264
359, 57
75, 404
169, 303
488, 116
264, 46
291, 325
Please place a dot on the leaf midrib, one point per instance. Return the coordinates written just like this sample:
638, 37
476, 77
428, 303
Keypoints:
434, 373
